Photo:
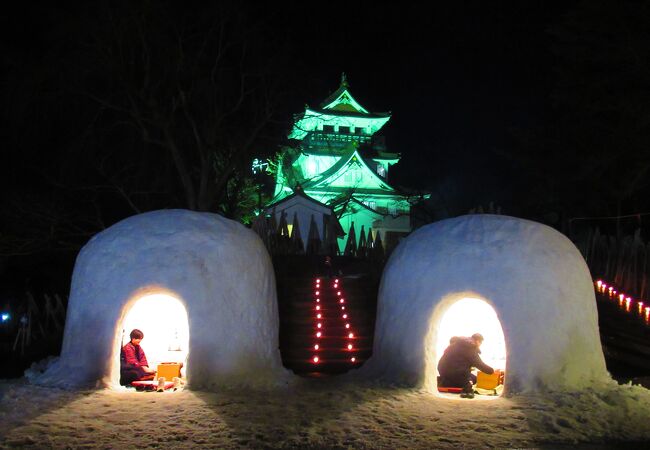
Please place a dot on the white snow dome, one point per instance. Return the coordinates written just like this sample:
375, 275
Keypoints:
521, 284
200, 287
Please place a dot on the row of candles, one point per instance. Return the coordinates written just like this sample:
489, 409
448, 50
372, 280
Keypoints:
623, 299
320, 329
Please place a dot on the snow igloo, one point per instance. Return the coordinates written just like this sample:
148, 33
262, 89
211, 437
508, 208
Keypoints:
200, 287
521, 284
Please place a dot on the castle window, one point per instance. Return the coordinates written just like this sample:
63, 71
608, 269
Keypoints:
344, 130
381, 171
328, 128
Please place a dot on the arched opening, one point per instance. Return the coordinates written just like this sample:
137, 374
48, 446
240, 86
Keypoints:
163, 320
466, 316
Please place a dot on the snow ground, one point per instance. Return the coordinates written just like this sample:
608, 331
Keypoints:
316, 413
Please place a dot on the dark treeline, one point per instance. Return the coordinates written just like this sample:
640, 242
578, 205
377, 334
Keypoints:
116, 108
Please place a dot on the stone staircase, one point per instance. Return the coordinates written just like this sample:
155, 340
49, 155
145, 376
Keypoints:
341, 343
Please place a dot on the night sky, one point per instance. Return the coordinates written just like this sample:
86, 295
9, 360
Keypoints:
473, 88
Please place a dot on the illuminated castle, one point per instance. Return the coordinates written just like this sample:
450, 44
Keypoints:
338, 161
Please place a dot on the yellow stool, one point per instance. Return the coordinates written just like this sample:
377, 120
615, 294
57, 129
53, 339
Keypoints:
168, 370
486, 381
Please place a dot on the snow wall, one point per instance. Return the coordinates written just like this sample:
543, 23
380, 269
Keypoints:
533, 276
217, 268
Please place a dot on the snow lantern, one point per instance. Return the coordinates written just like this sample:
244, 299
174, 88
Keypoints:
200, 287
521, 284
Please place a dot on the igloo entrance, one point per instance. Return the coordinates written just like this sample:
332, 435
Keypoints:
464, 317
163, 320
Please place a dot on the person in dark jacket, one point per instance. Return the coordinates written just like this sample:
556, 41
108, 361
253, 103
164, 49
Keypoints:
455, 366
133, 361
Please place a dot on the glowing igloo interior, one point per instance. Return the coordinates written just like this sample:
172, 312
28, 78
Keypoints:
465, 317
163, 320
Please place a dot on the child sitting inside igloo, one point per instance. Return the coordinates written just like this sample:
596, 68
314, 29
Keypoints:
133, 361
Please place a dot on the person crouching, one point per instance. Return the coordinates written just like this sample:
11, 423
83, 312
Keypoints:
455, 366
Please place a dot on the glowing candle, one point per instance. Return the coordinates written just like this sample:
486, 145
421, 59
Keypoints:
599, 283
318, 334
318, 316
341, 301
317, 307
345, 316
353, 359
318, 325
350, 335
347, 325
316, 347
336, 281
338, 293
315, 359
349, 346
343, 308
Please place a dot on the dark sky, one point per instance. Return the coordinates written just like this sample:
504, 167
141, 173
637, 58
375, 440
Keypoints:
457, 76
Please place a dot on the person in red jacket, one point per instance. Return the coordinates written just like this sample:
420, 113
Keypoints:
455, 366
133, 361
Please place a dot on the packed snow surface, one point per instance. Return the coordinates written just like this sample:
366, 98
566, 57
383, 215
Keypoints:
323, 414
216, 268
535, 279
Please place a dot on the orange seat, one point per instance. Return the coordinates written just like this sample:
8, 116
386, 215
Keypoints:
450, 390
150, 385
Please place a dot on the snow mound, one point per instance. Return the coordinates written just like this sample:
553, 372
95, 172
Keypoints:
533, 276
218, 269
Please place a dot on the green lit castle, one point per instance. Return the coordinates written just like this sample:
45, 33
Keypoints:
338, 162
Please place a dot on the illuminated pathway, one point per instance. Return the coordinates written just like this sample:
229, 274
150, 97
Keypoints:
334, 338
625, 302
326, 324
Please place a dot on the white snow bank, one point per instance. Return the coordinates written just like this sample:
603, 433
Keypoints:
218, 269
318, 413
534, 278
